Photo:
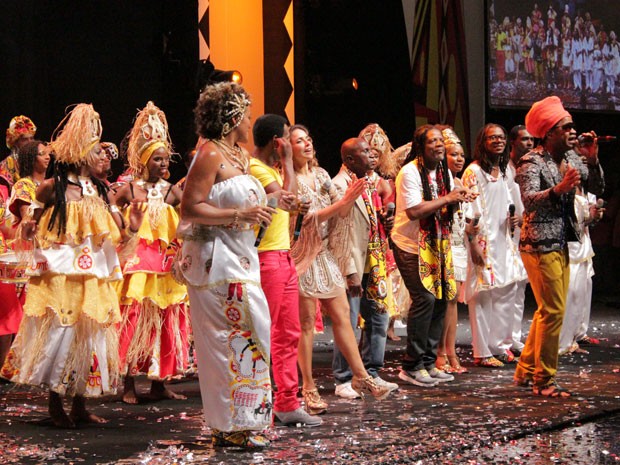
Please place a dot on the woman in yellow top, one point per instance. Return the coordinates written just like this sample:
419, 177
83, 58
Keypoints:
155, 327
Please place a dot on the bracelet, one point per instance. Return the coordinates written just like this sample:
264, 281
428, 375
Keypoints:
235, 222
470, 238
114, 209
129, 232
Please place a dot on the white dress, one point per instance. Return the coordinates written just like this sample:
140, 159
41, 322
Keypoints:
229, 312
490, 290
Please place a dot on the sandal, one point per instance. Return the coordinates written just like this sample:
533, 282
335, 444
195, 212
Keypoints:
587, 340
552, 389
315, 405
368, 385
455, 364
507, 357
245, 439
442, 363
487, 362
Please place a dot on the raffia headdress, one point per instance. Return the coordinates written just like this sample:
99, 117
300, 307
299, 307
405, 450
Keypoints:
149, 133
376, 138
76, 139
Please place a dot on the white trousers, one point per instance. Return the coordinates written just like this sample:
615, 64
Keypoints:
492, 316
578, 304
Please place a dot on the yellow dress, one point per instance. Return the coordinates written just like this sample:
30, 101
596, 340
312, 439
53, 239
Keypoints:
68, 341
154, 333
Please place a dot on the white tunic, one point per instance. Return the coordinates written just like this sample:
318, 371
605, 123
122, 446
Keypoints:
503, 264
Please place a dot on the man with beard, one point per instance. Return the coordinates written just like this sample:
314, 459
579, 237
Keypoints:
425, 202
495, 266
547, 178
365, 268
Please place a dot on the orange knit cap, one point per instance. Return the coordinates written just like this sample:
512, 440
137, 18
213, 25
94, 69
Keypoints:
543, 115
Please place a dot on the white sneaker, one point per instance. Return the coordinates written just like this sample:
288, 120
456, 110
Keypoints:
418, 377
298, 417
439, 375
345, 391
381, 382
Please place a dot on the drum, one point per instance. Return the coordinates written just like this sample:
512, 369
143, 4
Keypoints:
14, 269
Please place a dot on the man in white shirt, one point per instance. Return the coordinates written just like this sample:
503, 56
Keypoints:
424, 208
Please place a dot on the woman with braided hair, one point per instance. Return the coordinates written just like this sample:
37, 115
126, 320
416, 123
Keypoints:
154, 331
68, 339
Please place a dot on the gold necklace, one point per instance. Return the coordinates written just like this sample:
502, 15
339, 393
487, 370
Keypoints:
234, 155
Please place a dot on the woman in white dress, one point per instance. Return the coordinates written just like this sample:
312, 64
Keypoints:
219, 263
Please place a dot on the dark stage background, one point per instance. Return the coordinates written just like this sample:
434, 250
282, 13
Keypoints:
119, 54
116, 55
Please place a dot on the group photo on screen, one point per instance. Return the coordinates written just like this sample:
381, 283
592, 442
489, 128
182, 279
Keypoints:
566, 48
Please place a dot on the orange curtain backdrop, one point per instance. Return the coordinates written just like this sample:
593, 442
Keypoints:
256, 38
235, 42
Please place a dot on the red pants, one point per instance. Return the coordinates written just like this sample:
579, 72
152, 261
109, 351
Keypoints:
279, 282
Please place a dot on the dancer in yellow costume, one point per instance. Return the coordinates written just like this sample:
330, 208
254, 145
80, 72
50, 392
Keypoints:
68, 339
154, 331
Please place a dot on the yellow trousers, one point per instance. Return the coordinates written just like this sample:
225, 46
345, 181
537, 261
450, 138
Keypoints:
549, 275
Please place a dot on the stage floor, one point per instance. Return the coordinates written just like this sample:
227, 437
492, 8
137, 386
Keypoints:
480, 418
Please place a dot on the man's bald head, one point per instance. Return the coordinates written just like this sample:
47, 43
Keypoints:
349, 147
357, 156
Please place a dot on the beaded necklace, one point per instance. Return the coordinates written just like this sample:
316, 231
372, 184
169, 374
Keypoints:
234, 155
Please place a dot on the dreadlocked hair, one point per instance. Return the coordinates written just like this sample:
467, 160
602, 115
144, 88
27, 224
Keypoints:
61, 181
480, 152
417, 151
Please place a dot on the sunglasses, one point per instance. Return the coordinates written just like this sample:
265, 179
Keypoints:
566, 127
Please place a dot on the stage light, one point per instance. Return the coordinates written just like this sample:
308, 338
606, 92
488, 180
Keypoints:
333, 85
219, 75
207, 74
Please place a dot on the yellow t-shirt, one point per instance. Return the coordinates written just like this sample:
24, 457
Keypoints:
277, 235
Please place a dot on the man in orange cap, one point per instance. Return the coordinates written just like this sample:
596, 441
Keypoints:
20, 131
547, 177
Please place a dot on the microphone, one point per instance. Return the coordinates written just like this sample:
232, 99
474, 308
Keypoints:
273, 203
600, 203
475, 220
511, 213
327, 185
299, 222
587, 139
390, 210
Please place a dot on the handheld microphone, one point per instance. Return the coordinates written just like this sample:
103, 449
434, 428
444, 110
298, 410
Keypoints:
273, 203
299, 222
390, 210
587, 139
477, 218
327, 185
511, 213
600, 203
